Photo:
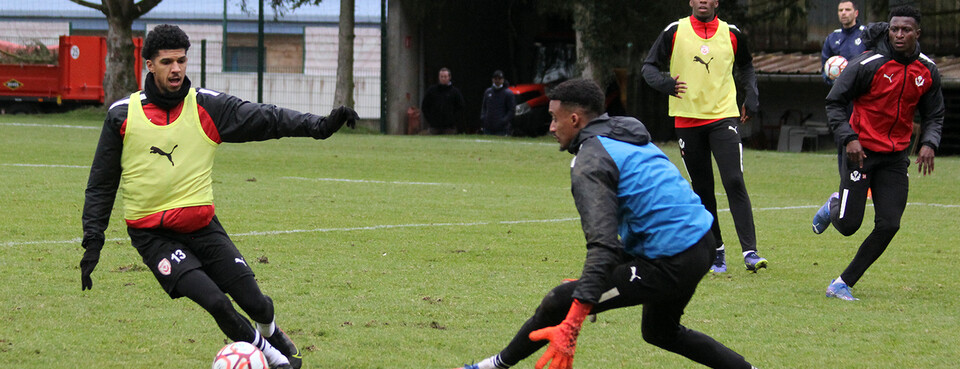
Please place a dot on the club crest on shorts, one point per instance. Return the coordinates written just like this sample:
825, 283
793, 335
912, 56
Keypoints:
855, 176
164, 267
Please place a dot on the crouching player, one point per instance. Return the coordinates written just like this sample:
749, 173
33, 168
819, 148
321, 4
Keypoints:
158, 145
648, 239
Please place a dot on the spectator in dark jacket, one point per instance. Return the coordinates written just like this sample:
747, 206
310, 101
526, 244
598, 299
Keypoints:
442, 105
498, 107
846, 41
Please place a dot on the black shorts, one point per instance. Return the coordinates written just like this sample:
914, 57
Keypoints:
170, 254
668, 282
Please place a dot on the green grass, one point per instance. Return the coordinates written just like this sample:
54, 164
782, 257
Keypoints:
415, 275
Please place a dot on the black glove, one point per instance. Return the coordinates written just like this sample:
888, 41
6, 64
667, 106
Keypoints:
91, 256
338, 117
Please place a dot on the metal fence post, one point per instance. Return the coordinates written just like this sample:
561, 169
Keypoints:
203, 63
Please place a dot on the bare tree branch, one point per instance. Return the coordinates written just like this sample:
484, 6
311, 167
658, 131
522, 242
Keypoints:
89, 4
145, 6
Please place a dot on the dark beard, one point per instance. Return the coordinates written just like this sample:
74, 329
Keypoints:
165, 101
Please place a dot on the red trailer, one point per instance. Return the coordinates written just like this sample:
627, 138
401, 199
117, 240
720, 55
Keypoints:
77, 78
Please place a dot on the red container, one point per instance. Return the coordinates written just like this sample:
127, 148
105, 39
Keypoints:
78, 76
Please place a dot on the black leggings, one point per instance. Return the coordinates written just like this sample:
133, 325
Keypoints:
663, 286
722, 139
197, 286
886, 175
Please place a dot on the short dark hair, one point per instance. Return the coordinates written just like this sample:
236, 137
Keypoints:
164, 37
581, 92
854, 3
905, 11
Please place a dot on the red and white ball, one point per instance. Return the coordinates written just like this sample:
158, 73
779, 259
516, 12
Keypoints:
834, 65
240, 355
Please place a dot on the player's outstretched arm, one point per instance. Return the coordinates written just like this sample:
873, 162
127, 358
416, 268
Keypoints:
238, 120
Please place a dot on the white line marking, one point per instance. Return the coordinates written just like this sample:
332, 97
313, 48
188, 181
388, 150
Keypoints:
504, 141
933, 205
425, 225
44, 165
780, 208
515, 142
323, 230
47, 125
364, 181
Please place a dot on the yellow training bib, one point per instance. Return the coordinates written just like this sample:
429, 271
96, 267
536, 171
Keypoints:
165, 167
707, 68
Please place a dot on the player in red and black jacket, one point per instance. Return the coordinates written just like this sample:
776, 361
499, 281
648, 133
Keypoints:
158, 146
886, 85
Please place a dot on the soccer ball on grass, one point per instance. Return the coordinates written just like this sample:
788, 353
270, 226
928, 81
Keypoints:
240, 355
834, 65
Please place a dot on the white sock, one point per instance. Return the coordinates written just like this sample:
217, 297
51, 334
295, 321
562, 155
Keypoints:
267, 330
492, 362
839, 280
274, 357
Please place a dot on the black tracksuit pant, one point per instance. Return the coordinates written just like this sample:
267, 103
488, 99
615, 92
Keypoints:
664, 287
205, 266
722, 139
886, 175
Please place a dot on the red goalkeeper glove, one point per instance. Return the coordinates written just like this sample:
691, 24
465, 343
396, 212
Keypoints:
563, 337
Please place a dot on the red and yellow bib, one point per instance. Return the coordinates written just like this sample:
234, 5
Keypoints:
165, 167
706, 65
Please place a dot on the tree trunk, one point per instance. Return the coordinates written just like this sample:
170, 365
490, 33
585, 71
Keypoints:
582, 17
120, 79
344, 91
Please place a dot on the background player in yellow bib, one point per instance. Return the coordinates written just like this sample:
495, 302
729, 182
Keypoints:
701, 53
158, 146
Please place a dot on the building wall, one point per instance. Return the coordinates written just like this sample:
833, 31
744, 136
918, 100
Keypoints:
26, 32
310, 91
314, 53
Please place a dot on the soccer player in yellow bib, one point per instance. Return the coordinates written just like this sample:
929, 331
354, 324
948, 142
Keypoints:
701, 53
158, 145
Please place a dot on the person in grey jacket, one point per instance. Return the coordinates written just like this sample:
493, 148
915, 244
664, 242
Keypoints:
648, 239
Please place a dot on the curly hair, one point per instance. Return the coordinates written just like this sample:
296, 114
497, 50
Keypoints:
906, 11
583, 93
164, 37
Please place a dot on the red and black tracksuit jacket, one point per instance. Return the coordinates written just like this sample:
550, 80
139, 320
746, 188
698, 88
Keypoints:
886, 90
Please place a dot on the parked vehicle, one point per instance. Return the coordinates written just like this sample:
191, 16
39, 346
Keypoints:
531, 118
76, 79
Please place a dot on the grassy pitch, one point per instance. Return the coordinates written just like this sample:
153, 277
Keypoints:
429, 252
